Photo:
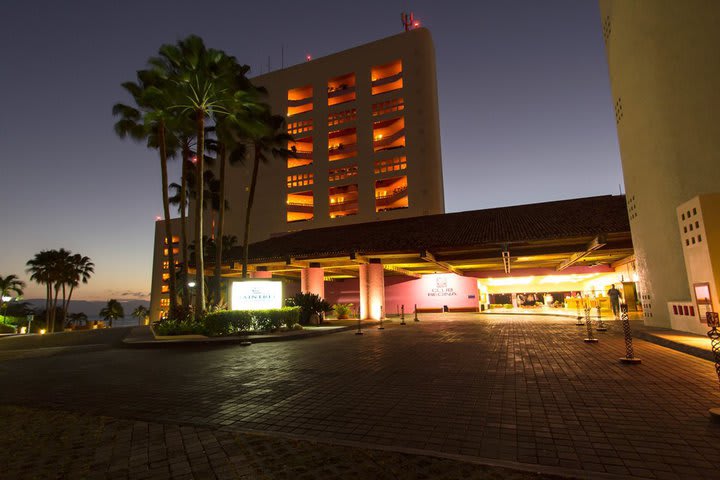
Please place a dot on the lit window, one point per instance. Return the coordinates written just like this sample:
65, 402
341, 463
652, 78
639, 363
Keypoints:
300, 206
389, 134
343, 200
342, 144
295, 128
394, 105
387, 78
342, 173
341, 89
336, 118
395, 164
302, 152
299, 180
300, 100
391, 194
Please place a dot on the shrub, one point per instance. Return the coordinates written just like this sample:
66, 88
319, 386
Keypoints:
342, 310
6, 328
232, 322
309, 304
183, 327
228, 322
508, 305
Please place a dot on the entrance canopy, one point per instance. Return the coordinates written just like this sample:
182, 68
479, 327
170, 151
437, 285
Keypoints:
585, 235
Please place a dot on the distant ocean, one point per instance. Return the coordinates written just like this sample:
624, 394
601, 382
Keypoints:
92, 309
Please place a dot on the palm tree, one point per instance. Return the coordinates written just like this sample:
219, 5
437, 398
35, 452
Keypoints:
141, 313
112, 311
201, 78
272, 143
49, 268
77, 318
10, 284
149, 122
78, 270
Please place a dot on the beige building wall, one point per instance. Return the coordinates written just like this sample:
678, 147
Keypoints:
664, 75
349, 75
699, 224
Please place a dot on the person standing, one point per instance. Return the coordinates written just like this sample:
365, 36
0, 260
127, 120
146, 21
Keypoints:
614, 295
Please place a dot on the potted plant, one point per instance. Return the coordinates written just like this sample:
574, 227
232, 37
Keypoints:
342, 310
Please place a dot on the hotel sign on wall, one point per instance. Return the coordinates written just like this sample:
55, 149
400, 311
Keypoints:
256, 295
441, 289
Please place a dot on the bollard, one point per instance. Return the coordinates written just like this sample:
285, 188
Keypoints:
600, 324
381, 319
416, 317
629, 357
588, 323
359, 330
714, 336
579, 317
402, 315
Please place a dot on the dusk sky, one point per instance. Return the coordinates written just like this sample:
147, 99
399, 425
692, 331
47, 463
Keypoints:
525, 109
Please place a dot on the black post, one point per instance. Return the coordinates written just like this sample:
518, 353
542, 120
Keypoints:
588, 323
579, 318
359, 330
629, 353
714, 336
381, 319
402, 315
600, 324
416, 317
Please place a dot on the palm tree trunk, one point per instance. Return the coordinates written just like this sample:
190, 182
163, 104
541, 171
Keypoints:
183, 220
166, 212
199, 260
53, 307
251, 197
220, 225
66, 304
48, 302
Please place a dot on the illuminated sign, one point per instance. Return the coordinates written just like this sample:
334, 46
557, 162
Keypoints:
256, 295
441, 288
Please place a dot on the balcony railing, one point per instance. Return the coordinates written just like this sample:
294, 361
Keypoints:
385, 142
342, 206
295, 207
342, 150
384, 81
340, 91
299, 102
385, 200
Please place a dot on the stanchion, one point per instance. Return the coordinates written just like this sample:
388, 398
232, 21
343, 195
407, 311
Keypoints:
714, 336
416, 317
402, 315
629, 353
381, 319
600, 324
579, 322
588, 323
359, 330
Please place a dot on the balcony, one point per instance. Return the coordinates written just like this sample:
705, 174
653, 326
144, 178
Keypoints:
391, 194
341, 89
386, 78
300, 100
302, 149
389, 134
300, 206
342, 144
343, 201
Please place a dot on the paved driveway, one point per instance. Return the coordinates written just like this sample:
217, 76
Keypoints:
510, 388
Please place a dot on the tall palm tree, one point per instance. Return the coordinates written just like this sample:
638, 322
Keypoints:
141, 313
49, 268
270, 144
78, 270
201, 78
112, 311
149, 121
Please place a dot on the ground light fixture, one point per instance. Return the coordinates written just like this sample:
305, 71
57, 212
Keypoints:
714, 335
6, 299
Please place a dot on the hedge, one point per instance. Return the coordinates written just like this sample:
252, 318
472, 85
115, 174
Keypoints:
230, 322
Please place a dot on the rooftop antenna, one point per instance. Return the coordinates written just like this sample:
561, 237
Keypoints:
408, 21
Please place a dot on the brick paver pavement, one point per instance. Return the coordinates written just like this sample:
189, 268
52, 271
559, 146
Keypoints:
515, 389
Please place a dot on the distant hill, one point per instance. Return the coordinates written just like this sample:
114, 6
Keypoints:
91, 308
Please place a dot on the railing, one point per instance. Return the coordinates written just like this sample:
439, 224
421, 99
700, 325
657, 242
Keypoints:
297, 103
384, 81
342, 149
384, 143
340, 91
301, 154
341, 206
397, 194
299, 207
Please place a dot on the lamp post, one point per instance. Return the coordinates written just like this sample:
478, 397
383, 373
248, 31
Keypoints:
5, 300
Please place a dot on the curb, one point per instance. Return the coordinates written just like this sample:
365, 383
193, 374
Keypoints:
51, 351
533, 314
678, 347
220, 341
